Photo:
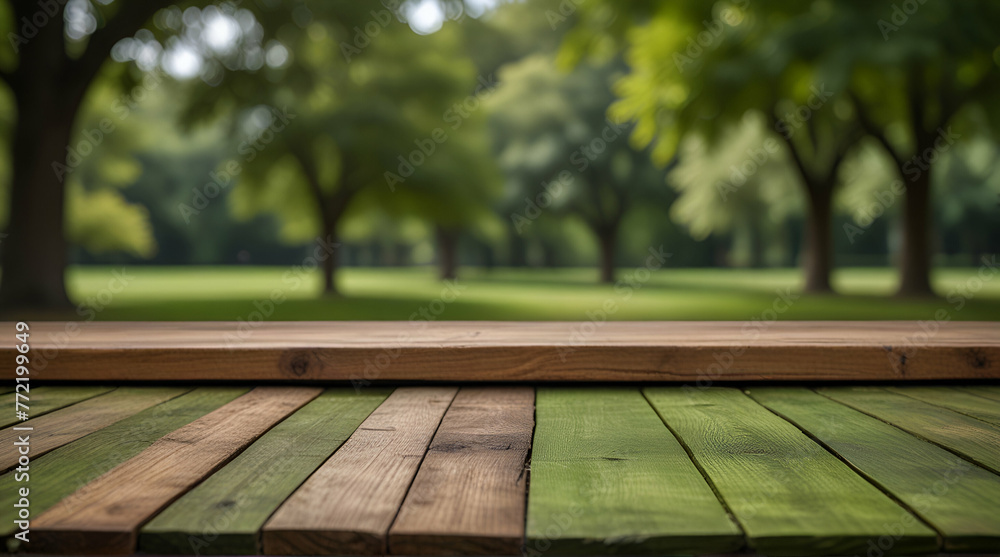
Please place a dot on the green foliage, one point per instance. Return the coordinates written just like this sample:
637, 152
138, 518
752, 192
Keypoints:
102, 221
723, 186
363, 118
552, 128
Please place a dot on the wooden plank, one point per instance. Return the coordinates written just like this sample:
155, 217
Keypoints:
224, 514
953, 399
960, 500
520, 351
468, 496
69, 424
104, 516
608, 478
347, 506
973, 439
57, 475
986, 391
789, 494
43, 400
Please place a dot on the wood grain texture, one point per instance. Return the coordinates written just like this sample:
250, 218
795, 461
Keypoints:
523, 351
59, 474
985, 391
790, 495
43, 400
960, 500
468, 496
69, 424
608, 478
106, 514
974, 439
962, 402
347, 506
224, 514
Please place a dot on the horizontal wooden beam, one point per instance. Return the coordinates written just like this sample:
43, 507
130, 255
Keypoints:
363, 352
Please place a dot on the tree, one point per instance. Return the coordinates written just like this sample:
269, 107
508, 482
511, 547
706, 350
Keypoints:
58, 50
55, 59
743, 183
912, 81
699, 69
900, 76
557, 144
376, 120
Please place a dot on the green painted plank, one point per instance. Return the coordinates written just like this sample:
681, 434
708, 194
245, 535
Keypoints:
43, 400
61, 472
962, 402
791, 496
223, 515
608, 478
974, 439
985, 391
959, 499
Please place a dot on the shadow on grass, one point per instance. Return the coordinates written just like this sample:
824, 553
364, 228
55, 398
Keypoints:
694, 307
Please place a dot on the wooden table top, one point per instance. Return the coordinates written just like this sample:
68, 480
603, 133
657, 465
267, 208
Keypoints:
366, 352
504, 470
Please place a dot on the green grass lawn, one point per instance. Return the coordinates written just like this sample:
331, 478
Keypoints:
232, 293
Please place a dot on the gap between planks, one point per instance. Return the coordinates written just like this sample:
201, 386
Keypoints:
469, 494
105, 515
352, 499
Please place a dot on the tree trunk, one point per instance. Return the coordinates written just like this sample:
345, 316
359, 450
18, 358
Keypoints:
607, 239
35, 251
330, 262
915, 255
48, 87
756, 260
447, 253
817, 252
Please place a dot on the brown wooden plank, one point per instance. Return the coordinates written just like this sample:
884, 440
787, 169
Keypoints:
469, 495
103, 517
519, 351
63, 426
43, 400
348, 505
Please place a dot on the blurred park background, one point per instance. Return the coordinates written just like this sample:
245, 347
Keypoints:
492, 159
